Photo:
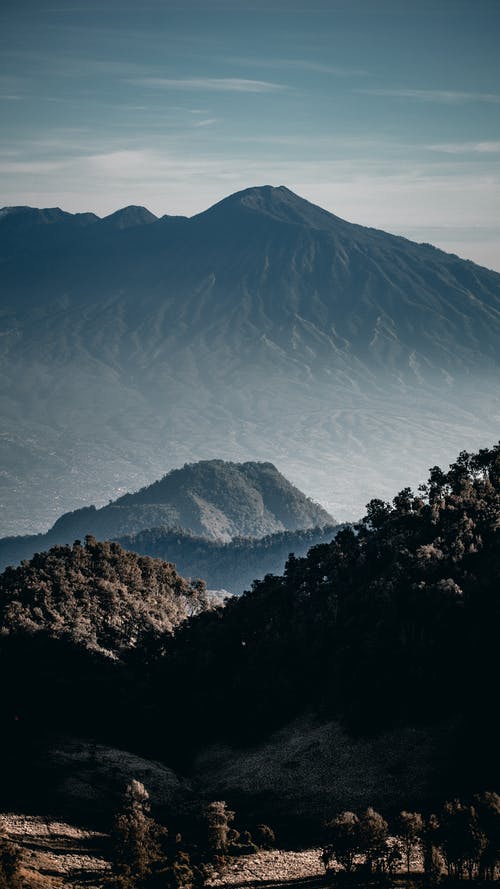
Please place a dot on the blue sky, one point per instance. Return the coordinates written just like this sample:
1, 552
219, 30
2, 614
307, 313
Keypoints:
386, 112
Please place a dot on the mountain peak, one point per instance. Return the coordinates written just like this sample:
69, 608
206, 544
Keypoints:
23, 218
276, 202
130, 217
33, 214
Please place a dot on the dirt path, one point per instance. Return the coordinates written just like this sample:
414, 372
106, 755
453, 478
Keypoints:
56, 855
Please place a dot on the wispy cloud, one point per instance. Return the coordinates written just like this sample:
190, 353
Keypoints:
299, 64
28, 168
10, 98
205, 123
446, 97
217, 84
466, 147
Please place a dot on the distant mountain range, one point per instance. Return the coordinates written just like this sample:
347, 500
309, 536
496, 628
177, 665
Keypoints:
264, 328
212, 499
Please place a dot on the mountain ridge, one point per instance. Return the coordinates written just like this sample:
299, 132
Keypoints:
267, 200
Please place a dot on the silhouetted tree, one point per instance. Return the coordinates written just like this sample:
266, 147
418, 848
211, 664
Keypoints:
345, 841
373, 838
409, 830
265, 836
218, 818
432, 858
461, 839
487, 806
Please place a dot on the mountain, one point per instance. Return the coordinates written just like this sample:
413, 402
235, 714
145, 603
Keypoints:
215, 499
130, 217
264, 328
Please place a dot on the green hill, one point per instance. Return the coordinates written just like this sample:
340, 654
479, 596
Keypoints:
212, 498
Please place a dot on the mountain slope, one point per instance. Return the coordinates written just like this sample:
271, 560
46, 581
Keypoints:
263, 328
212, 498
231, 566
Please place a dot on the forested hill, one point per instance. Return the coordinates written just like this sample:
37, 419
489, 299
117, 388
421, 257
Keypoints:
96, 597
231, 566
395, 623
216, 499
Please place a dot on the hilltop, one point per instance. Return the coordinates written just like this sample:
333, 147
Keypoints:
214, 499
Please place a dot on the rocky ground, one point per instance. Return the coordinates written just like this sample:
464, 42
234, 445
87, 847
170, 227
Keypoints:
273, 868
56, 855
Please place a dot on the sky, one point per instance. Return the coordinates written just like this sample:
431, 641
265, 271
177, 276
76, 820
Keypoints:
386, 112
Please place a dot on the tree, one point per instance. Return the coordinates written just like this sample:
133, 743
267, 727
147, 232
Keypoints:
344, 834
176, 873
487, 806
136, 838
432, 857
373, 837
264, 836
461, 839
218, 818
409, 830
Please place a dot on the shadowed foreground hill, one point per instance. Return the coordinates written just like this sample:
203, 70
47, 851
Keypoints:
213, 498
369, 668
397, 622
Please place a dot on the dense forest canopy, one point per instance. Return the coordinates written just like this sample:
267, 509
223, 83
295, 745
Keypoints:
97, 596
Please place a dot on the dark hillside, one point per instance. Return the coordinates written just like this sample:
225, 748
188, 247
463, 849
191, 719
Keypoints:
382, 643
395, 623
